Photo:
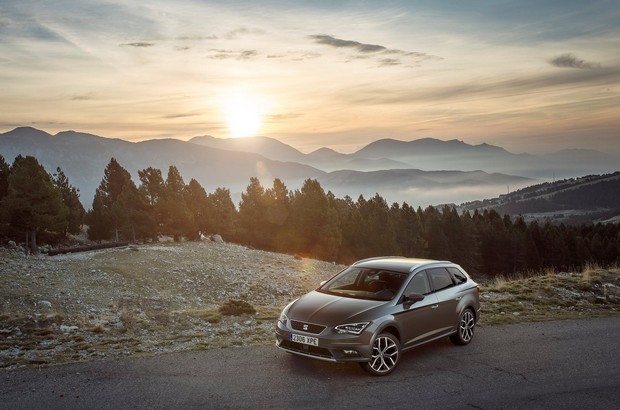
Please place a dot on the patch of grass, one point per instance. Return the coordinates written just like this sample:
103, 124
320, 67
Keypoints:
267, 313
212, 316
98, 329
550, 295
234, 307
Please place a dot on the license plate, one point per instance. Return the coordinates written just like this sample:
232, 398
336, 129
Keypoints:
306, 340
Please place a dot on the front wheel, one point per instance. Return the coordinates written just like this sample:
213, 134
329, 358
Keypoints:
465, 331
385, 355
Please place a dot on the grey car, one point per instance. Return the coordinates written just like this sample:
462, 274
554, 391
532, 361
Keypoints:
377, 308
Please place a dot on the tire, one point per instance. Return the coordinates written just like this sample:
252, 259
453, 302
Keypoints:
465, 329
385, 355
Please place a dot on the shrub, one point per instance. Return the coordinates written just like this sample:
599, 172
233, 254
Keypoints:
237, 307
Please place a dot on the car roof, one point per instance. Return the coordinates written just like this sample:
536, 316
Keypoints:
398, 263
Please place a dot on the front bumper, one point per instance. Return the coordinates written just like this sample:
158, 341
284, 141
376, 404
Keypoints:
333, 347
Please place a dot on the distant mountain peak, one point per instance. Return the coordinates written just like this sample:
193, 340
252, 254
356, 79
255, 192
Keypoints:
27, 131
325, 153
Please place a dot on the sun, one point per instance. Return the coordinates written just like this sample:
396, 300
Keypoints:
243, 113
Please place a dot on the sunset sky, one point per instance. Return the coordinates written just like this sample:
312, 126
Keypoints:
528, 75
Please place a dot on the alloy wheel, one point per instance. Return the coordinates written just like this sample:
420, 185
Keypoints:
385, 355
466, 326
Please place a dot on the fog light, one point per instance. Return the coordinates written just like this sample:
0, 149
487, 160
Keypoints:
350, 352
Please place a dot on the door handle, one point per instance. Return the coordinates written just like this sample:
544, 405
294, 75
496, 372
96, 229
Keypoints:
434, 306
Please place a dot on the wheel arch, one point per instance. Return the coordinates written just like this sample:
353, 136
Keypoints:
392, 329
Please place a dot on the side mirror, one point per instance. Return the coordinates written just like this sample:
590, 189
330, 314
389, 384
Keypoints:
412, 298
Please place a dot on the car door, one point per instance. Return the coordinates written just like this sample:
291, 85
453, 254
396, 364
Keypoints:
417, 320
447, 300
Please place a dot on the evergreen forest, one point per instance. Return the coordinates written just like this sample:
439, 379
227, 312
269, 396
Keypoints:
37, 206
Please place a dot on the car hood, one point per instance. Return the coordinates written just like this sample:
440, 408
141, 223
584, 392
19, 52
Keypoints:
330, 310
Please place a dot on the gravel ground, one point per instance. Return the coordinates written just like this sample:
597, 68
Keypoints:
147, 299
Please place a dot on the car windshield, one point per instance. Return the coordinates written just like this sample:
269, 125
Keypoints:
365, 283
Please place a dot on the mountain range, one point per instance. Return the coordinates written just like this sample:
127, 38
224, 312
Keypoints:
420, 172
429, 154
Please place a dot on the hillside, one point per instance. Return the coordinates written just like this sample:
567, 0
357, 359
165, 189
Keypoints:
575, 200
160, 298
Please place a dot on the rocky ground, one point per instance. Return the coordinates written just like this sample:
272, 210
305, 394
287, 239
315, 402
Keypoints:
159, 298
143, 300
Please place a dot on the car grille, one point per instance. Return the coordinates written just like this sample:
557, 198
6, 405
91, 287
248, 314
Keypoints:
309, 350
309, 327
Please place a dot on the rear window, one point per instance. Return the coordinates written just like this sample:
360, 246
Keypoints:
458, 275
440, 278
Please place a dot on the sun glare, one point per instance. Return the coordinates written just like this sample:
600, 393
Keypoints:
243, 114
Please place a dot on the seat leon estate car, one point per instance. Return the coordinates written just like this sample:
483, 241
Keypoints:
377, 308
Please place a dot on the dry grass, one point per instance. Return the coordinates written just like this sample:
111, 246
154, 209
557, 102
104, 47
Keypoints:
551, 295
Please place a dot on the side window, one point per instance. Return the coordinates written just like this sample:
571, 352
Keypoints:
419, 284
440, 278
458, 275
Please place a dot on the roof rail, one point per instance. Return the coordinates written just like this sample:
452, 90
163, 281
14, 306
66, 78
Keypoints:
377, 258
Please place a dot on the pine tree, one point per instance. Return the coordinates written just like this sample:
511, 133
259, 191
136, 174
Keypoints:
5, 171
175, 216
253, 212
378, 230
223, 215
71, 199
199, 205
315, 225
97, 219
278, 207
408, 230
118, 210
151, 184
33, 203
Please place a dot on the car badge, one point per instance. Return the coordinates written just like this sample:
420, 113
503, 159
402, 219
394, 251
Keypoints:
305, 326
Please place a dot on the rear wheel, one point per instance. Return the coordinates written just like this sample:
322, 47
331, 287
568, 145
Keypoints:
385, 355
465, 331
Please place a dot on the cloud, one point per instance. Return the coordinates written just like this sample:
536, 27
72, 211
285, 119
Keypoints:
570, 61
389, 62
139, 44
196, 38
241, 31
339, 43
82, 97
518, 86
233, 54
175, 116
365, 51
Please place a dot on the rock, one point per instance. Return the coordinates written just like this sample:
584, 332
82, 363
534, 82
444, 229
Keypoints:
12, 245
45, 304
217, 238
68, 329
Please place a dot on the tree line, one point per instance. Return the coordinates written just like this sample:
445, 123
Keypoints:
307, 221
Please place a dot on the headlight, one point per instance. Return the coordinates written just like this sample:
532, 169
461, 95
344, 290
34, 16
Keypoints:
352, 328
283, 319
